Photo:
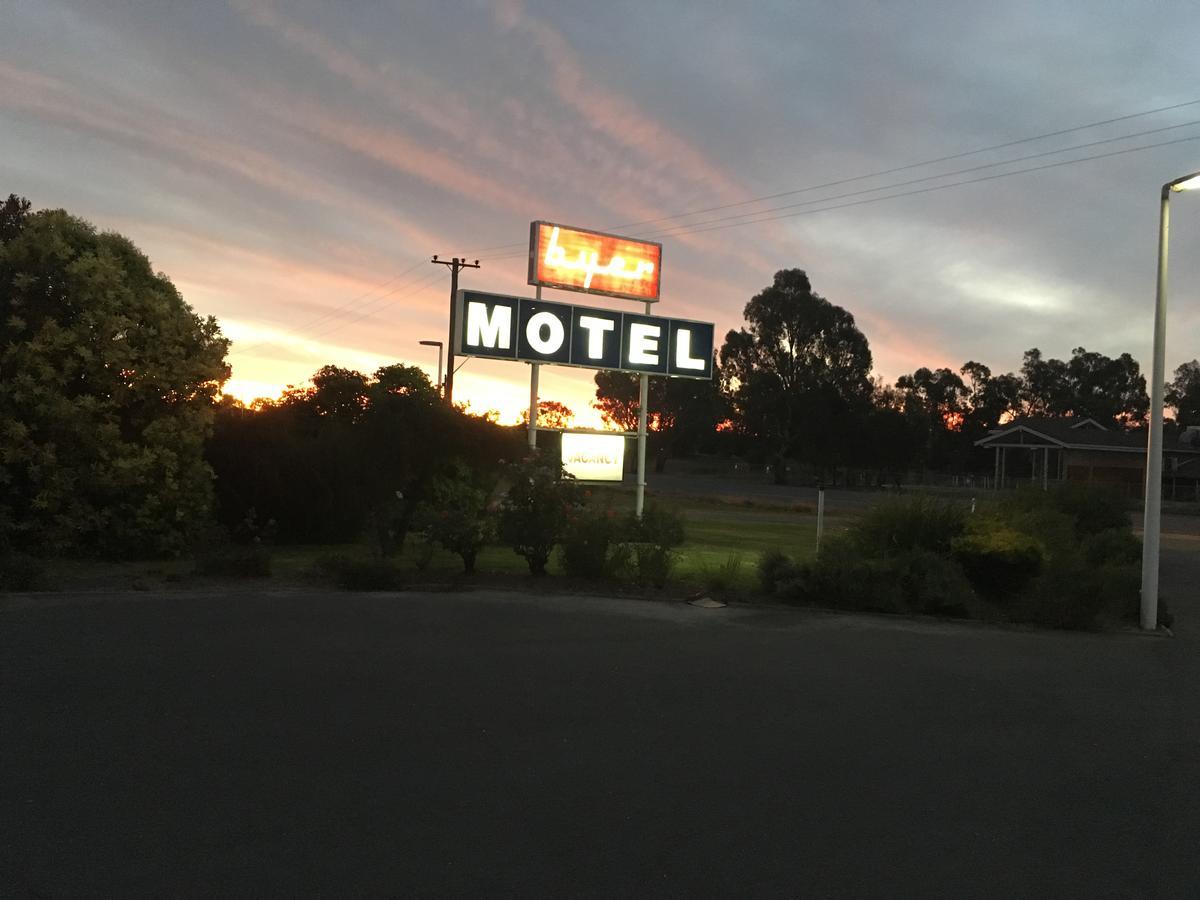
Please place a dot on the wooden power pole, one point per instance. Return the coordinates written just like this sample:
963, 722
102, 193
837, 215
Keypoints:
454, 265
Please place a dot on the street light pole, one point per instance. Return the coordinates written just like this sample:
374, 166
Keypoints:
437, 344
1152, 523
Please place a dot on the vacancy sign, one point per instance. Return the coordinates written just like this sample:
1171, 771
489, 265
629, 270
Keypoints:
537, 331
593, 457
592, 262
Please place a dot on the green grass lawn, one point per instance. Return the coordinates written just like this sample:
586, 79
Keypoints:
721, 551
723, 545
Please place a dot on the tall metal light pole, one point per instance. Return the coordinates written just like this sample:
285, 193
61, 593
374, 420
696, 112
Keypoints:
454, 265
1152, 525
437, 344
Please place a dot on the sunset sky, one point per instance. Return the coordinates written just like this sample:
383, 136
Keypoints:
293, 166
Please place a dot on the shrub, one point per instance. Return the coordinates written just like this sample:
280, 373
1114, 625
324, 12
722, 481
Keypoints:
652, 564
355, 574
240, 554
1091, 509
998, 560
933, 584
19, 572
898, 526
1113, 546
590, 544
455, 515
422, 548
722, 577
659, 525
651, 540
234, 561
534, 511
1075, 596
842, 578
774, 567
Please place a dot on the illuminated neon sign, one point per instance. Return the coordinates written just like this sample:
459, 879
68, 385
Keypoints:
592, 262
519, 328
593, 457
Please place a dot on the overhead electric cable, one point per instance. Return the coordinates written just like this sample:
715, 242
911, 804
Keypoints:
325, 315
942, 187
924, 178
693, 229
891, 171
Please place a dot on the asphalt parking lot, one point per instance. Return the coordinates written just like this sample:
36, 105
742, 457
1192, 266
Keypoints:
497, 744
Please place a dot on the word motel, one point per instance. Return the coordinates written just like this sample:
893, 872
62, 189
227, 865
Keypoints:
503, 327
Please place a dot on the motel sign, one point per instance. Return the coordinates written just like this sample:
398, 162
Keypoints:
498, 326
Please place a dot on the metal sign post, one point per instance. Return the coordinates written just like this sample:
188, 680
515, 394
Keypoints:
643, 402
534, 372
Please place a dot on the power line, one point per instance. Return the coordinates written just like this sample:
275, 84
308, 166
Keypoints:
891, 171
328, 313
337, 309
767, 215
693, 229
925, 178
942, 187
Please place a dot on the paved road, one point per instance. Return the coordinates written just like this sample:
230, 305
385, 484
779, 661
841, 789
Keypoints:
491, 744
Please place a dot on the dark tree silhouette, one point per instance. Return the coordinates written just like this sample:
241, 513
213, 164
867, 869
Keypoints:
798, 374
1183, 393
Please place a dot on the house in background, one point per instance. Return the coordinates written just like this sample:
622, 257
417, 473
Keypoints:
1042, 449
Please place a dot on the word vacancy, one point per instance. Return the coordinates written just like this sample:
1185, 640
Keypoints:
503, 327
593, 262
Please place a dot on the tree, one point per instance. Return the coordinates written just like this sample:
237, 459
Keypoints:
1089, 385
107, 392
935, 400
551, 414
352, 455
1183, 393
798, 375
1045, 390
681, 413
990, 398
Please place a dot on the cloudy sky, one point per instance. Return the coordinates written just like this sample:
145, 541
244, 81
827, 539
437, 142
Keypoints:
292, 166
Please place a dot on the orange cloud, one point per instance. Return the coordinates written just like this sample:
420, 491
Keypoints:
157, 134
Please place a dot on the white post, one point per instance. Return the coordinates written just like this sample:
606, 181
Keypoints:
643, 402
534, 369
820, 516
1154, 444
1046, 469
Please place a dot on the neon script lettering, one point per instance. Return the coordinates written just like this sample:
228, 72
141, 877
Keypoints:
588, 262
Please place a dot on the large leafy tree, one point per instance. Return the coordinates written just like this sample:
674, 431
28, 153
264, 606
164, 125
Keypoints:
1183, 393
798, 373
935, 401
1089, 384
349, 456
682, 414
990, 397
107, 392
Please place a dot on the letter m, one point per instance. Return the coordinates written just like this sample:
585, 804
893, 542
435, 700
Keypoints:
491, 331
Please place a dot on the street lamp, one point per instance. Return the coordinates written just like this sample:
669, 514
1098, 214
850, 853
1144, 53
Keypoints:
437, 344
1152, 525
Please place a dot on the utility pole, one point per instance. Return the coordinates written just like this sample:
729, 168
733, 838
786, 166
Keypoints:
454, 265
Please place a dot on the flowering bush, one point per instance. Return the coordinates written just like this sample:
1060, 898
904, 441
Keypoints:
455, 515
534, 512
591, 545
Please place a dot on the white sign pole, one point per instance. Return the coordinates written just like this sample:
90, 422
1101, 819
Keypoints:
820, 516
643, 402
534, 371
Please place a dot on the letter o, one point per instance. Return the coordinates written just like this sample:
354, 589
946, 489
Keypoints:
533, 333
